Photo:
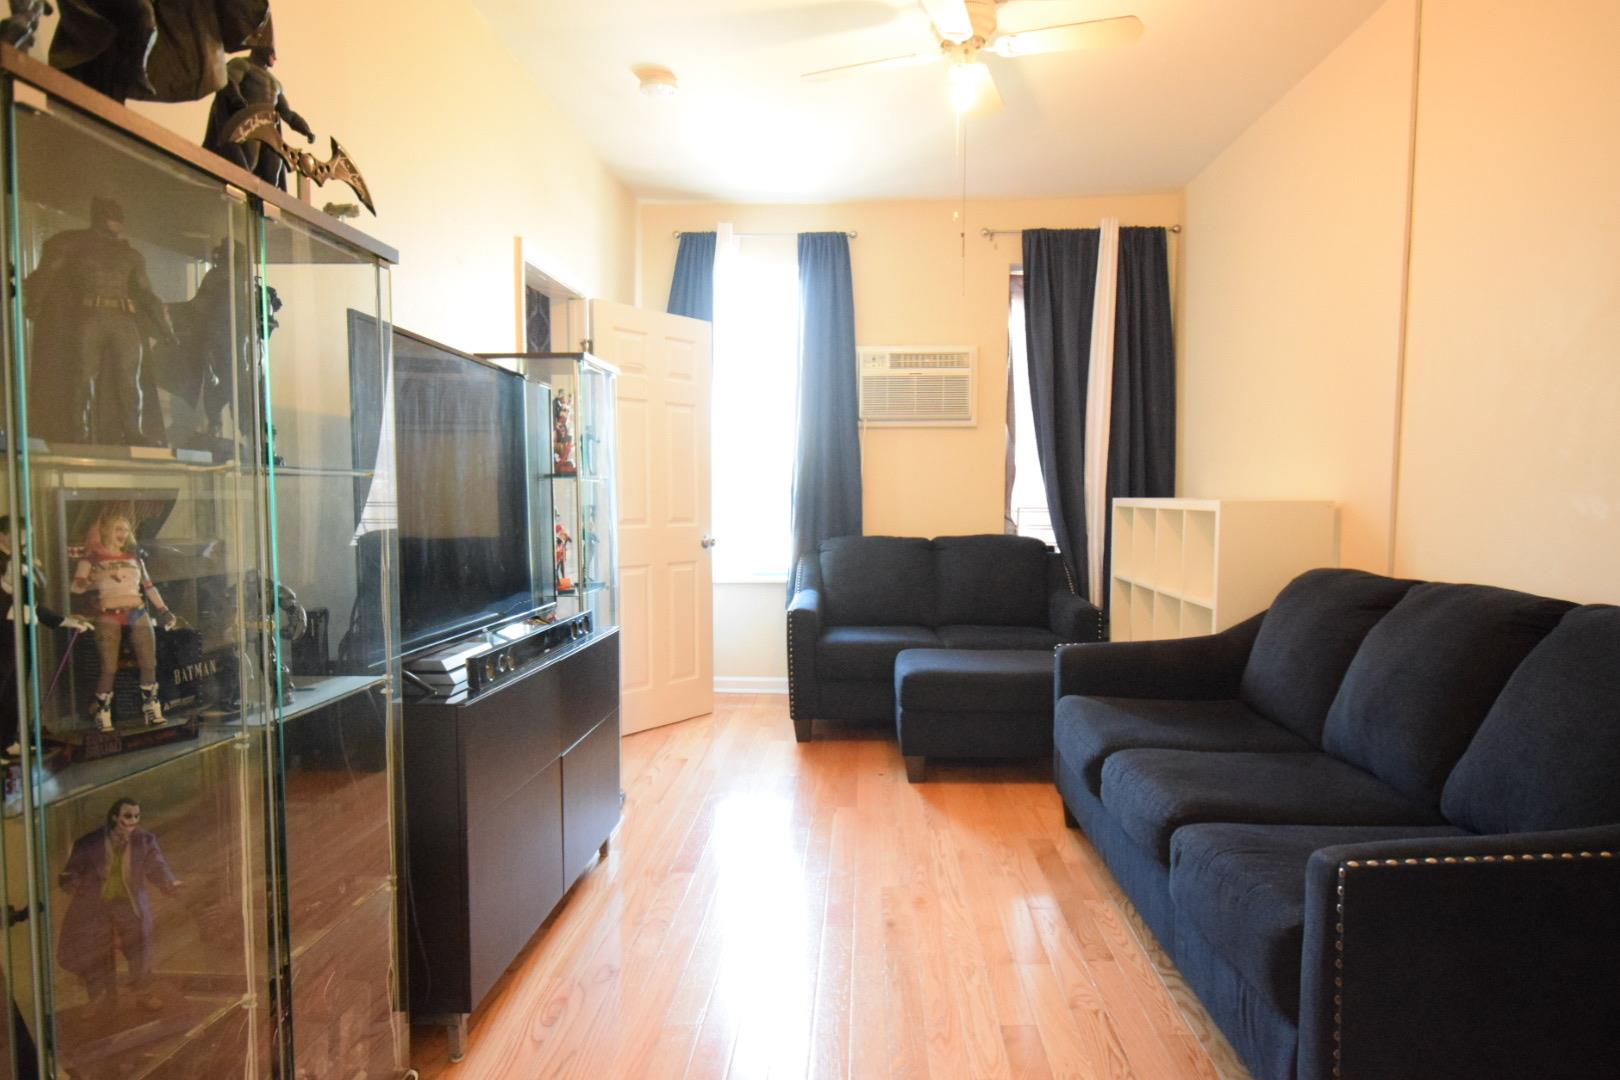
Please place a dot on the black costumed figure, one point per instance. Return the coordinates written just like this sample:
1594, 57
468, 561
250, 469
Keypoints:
111, 571
94, 311
173, 50
19, 28
108, 875
250, 85
32, 583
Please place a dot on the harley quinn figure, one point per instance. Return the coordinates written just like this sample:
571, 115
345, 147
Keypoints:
115, 577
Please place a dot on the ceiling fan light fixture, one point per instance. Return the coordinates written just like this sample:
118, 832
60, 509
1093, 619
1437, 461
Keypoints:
656, 81
967, 85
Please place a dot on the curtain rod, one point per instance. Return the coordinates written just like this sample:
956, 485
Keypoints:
678, 233
991, 234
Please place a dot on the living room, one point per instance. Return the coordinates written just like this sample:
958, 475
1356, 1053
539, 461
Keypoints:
1394, 289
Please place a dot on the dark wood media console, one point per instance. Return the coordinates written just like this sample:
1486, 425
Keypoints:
509, 795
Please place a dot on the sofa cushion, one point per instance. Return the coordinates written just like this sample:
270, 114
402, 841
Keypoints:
991, 581
974, 681
1242, 887
1088, 729
998, 637
877, 581
1308, 639
1545, 756
1152, 793
1425, 677
866, 653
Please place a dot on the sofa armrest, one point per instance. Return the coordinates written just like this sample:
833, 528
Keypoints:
1073, 618
1476, 956
1205, 668
803, 632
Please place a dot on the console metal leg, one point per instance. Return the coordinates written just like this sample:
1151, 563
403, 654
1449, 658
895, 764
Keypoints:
456, 1026
916, 768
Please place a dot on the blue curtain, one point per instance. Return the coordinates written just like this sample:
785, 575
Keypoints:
1060, 286
827, 465
691, 293
1142, 424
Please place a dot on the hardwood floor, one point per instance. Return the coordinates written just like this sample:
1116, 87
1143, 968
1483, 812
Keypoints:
770, 908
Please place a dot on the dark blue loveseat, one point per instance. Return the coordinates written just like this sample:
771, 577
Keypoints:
860, 601
1377, 827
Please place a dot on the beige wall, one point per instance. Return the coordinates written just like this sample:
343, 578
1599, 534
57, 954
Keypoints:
1510, 464
913, 286
1291, 318
462, 156
1493, 437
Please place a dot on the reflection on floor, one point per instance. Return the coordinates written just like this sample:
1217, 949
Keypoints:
775, 908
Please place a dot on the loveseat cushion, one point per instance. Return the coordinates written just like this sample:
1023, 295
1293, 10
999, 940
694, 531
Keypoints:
1308, 639
1425, 677
1545, 756
866, 653
1088, 729
998, 637
877, 581
1242, 888
991, 581
1152, 793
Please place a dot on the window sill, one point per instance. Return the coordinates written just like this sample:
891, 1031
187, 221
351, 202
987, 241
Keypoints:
752, 579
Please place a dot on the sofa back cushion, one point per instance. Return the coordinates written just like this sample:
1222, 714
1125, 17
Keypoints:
1545, 756
991, 580
1425, 677
878, 581
1306, 642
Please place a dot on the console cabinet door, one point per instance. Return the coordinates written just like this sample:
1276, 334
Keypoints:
590, 795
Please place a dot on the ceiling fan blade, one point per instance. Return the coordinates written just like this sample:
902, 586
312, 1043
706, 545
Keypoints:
1095, 34
950, 17
989, 97
911, 60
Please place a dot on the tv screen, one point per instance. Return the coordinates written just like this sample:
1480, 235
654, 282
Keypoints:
466, 507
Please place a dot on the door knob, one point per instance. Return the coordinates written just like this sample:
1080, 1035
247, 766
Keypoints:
708, 542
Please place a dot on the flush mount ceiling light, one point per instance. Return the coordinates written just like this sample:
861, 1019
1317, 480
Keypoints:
656, 81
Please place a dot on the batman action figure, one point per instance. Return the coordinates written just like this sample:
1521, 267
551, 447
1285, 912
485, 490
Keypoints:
169, 51
250, 85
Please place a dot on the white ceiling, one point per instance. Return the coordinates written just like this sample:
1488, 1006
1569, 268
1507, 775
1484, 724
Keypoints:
746, 128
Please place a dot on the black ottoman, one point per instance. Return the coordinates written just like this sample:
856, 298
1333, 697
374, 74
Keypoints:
972, 703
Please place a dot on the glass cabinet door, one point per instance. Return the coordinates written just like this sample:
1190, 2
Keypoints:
332, 492
598, 517
140, 789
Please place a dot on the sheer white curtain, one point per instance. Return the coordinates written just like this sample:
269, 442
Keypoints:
1100, 405
756, 343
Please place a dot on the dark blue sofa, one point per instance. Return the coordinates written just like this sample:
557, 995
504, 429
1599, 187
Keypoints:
860, 601
1376, 827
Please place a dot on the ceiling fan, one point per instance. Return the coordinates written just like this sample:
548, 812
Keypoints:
966, 30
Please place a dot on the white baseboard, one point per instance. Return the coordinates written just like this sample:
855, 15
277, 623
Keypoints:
750, 684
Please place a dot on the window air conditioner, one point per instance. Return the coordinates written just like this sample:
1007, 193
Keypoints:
917, 386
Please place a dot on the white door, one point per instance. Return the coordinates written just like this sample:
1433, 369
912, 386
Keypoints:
666, 578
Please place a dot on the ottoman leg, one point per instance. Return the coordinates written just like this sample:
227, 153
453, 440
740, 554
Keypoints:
801, 728
916, 768
1068, 818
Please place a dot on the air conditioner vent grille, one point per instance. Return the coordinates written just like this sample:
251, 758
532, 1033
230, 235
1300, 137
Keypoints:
928, 386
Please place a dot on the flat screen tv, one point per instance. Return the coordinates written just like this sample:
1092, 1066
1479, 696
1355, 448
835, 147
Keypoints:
469, 515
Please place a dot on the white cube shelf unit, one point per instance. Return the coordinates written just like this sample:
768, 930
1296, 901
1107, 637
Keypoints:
1184, 567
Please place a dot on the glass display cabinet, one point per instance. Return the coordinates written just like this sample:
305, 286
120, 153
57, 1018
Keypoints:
200, 683
580, 474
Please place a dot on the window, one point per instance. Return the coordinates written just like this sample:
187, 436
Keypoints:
756, 379
1026, 497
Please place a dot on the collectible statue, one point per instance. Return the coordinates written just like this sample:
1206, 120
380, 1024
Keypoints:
588, 572
560, 555
19, 28
107, 875
94, 312
113, 574
562, 434
33, 583
587, 451
249, 85
263, 124
169, 51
